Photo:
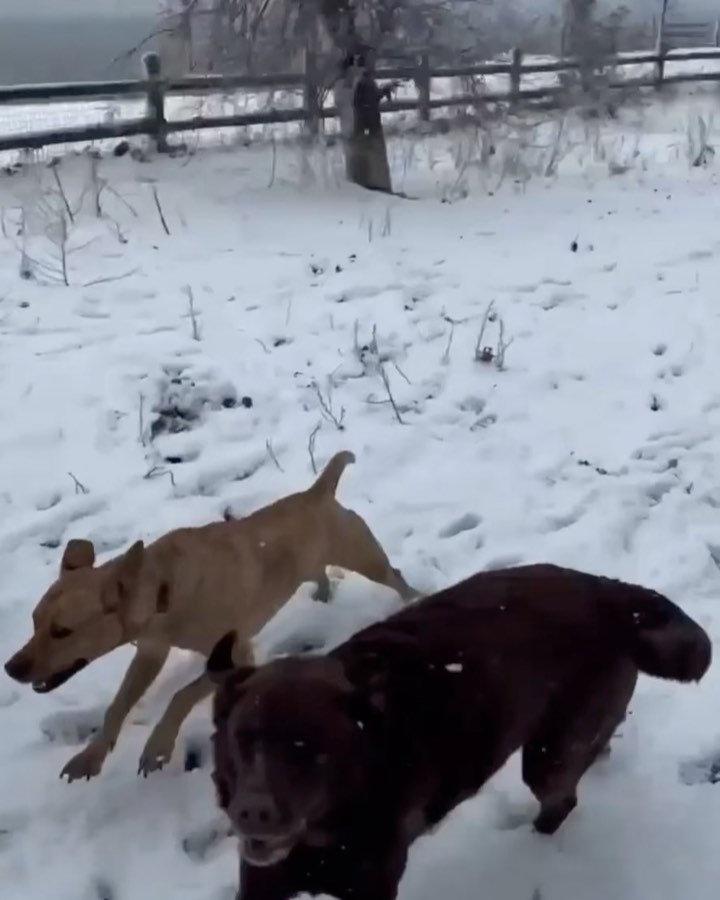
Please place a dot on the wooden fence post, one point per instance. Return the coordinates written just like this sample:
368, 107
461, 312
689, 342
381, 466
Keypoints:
716, 33
155, 111
311, 88
423, 81
516, 76
660, 47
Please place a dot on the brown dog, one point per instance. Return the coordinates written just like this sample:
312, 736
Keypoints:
186, 590
330, 766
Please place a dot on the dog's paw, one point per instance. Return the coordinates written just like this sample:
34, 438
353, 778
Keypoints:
151, 763
86, 764
157, 752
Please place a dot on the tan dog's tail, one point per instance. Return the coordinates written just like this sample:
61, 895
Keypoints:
328, 479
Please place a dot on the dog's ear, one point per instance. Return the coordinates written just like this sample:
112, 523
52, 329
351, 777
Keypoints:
79, 554
125, 577
228, 678
386, 662
220, 663
128, 569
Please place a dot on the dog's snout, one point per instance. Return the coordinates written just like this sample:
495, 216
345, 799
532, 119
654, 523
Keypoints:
19, 667
257, 813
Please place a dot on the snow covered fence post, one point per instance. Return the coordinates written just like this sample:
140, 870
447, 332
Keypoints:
660, 46
155, 109
312, 87
515, 76
422, 82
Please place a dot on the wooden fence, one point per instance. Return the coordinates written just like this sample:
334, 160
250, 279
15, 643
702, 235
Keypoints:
673, 34
155, 89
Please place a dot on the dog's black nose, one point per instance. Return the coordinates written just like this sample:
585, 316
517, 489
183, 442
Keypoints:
257, 813
19, 668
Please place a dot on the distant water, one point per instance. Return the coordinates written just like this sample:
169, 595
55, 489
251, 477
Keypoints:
71, 48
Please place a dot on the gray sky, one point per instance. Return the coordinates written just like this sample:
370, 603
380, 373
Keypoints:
39, 8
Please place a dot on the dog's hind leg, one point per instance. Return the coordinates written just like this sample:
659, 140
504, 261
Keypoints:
353, 546
142, 671
572, 735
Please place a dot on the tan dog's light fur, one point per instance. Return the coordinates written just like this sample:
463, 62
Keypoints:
187, 589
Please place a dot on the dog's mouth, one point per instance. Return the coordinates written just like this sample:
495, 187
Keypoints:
54, 681
266, 851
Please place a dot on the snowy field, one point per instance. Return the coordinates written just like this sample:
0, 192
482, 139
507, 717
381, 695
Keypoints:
593, 441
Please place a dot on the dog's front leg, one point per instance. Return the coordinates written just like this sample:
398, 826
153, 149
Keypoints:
142, 671
161, 743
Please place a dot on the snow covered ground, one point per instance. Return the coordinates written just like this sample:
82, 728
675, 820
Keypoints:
596, 444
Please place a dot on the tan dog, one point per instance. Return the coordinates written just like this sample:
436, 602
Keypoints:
186, 590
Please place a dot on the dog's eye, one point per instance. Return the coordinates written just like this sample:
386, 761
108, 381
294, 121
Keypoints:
306, 755
58, 632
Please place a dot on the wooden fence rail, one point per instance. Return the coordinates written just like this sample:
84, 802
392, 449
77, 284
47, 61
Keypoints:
154, 88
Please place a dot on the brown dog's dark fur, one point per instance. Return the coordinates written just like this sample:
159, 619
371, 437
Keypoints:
329, 767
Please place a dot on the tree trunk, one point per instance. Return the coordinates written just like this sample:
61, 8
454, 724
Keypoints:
357, 97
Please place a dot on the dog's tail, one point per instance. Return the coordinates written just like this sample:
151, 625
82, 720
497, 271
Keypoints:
327, 480
664, 641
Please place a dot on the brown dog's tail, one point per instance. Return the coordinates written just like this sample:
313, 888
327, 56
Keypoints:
664, 641
327, 480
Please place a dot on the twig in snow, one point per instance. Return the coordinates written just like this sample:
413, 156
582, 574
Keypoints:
160, 211
98, 185
141, 419
26, 264
502, 346
452, 321
387, 223
388, 391
120, 197
79, 486
193, 316
50, 209
445, 358
118, 231
326, 406
61, 244
273, 167
311, 446
369, 358
384, 376
108, 278
400, 372
63, 195
272, 455
158, 471
483, 353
